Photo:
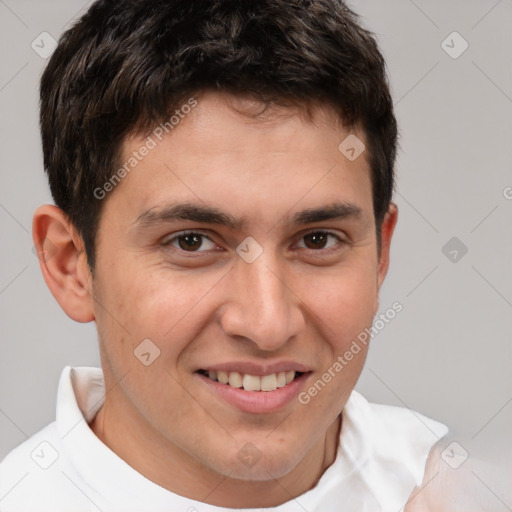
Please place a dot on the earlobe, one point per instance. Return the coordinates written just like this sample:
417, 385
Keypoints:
63, 262
387, 229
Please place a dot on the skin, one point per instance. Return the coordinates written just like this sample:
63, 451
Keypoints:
296, 302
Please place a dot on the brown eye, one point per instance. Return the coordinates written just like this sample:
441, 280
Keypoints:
189, 242
318, 240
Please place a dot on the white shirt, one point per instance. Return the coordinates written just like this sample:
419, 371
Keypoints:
64, 467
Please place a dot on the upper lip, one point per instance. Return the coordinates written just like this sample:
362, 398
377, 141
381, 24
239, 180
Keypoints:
258, 369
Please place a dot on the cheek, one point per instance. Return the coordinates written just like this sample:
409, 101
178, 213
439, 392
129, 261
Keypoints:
138, 305
154, 303
344, 306
344, 303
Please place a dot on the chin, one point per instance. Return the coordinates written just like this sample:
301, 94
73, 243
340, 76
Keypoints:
250, 463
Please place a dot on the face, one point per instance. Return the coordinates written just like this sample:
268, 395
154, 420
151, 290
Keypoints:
245, 251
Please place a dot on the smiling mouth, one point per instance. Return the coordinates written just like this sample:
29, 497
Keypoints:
248, 382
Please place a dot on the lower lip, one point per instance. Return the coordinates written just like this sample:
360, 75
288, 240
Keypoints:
257, 402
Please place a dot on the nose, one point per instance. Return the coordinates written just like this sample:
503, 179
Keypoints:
262, 306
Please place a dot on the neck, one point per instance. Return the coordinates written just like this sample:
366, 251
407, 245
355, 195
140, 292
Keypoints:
164, 463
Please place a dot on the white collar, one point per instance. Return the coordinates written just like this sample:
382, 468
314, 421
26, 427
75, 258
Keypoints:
81, 394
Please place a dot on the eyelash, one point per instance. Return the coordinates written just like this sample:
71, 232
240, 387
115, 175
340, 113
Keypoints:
167, 243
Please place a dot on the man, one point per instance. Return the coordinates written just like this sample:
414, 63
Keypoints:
223, 177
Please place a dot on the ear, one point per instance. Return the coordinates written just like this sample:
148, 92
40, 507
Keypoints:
387, 229
63, 262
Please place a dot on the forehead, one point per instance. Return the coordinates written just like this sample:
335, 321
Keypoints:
216, 155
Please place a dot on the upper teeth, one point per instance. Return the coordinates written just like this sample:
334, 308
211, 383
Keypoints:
253, 382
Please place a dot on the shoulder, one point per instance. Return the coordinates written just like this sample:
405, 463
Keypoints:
38, 476
456, 480
37, 451
392, 445
406, 435
28, 472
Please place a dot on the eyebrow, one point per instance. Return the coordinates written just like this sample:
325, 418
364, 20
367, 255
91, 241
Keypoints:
210, 215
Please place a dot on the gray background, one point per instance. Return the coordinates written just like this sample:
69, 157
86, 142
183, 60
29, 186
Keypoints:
448, 353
